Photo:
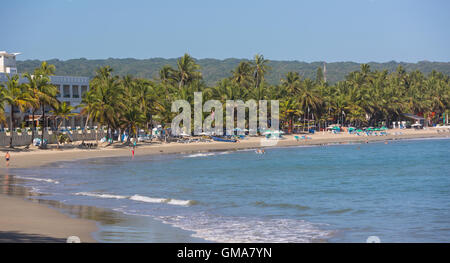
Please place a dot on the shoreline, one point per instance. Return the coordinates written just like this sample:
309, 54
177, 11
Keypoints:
38, 157
51, 221
48, 220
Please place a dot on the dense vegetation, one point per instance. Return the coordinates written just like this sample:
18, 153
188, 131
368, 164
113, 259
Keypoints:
214, 70
364, 97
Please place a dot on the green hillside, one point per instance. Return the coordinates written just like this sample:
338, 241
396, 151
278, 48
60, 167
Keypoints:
214, 69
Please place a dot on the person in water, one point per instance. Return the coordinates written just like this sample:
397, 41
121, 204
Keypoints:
259, 151
7, 157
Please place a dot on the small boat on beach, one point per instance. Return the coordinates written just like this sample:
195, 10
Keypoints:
221, 139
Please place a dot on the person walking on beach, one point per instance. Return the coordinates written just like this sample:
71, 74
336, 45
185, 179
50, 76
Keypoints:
7, 157
132, 151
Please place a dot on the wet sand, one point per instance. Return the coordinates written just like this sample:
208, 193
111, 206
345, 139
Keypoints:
25, 221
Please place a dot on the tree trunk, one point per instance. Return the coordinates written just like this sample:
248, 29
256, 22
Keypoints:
304, 122
57, 133
33, 126
128, 136
11, 126
290, 125
43, 128
96, 135
107, 134
85, 131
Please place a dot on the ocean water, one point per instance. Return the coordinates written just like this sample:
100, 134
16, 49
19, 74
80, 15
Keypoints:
398, 191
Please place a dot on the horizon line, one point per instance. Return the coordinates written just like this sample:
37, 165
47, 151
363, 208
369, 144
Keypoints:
241, 59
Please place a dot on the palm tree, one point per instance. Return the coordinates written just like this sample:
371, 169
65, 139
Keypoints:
187, 70
167, 75
107, 102
146, 98
41, 93
260, 68
290, 108
46, 69
242, 75
46, 93
309, 101
87, 109
131, 119
63, 111
356, 115
292, 82
16, 95
2, 105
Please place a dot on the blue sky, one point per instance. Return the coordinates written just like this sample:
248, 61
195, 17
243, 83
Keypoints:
339, 30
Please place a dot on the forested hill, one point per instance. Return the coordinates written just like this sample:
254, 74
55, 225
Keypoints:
214, 69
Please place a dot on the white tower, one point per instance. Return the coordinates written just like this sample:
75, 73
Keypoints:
8, 62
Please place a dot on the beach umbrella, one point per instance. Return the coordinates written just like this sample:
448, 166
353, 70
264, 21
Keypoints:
359, 130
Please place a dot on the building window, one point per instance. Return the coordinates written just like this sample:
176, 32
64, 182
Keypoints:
58, 94
66, 91
83, 90
75, 93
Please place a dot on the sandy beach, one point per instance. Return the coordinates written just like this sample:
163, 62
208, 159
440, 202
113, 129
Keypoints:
22, 158
25, 221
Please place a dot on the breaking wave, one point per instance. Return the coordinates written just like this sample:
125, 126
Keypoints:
141, 198
249, 230
39, 179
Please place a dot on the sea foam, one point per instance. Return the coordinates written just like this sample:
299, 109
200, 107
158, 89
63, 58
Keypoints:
141, 198
39, 179
249, 230
101, 195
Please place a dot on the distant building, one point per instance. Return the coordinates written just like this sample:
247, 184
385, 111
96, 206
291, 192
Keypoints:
8, 62
71, 90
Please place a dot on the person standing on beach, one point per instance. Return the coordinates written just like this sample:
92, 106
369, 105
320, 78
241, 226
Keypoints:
7, 157
132, 151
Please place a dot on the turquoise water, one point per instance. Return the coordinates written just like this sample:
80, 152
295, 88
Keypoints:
399, 192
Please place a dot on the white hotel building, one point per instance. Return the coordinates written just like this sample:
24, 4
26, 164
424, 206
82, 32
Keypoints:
70, 88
